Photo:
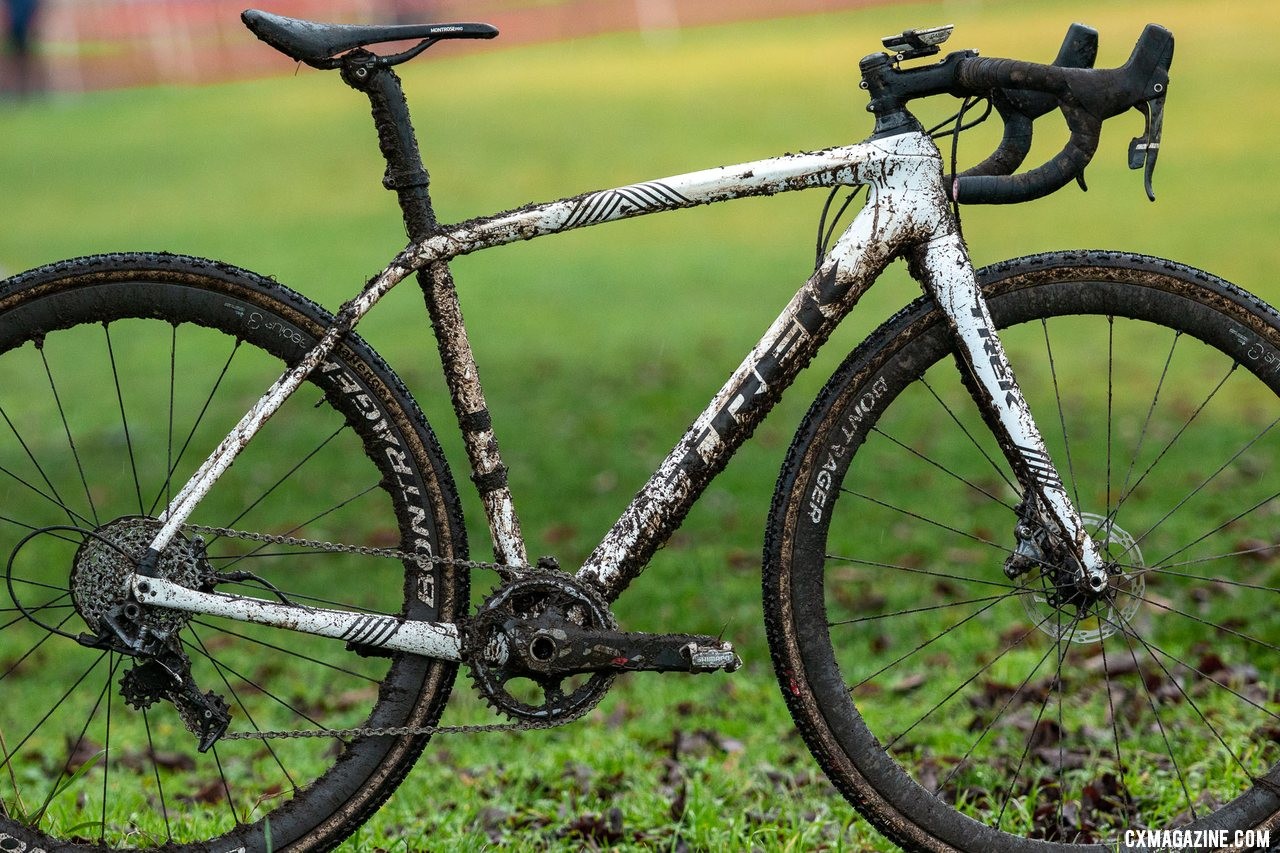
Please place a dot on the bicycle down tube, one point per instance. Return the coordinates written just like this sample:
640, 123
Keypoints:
906, 212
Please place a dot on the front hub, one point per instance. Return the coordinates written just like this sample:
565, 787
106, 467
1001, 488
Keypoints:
1064, 606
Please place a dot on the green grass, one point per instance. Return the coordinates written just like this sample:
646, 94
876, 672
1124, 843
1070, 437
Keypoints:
597, 348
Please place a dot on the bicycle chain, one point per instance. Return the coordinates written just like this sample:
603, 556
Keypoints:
505, 571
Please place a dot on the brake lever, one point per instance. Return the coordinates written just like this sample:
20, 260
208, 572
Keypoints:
1144, 149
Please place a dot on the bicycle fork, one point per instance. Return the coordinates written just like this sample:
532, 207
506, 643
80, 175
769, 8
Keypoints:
1047, 510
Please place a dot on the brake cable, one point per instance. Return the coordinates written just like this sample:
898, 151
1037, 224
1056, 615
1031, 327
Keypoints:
825, 233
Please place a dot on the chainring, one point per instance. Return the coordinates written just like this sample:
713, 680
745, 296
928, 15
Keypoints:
549, 598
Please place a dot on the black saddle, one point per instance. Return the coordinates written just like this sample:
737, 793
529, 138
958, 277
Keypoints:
318, 44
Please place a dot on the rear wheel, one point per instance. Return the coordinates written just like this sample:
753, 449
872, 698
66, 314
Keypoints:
120, 373
960, 709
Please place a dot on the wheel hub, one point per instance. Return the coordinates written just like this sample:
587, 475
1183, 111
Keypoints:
1064, 609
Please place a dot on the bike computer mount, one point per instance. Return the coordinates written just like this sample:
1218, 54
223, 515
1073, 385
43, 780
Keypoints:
915, 43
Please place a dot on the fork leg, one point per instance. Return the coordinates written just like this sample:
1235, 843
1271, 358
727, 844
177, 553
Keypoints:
944, 268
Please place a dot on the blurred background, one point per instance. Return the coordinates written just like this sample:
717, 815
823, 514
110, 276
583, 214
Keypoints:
96, 44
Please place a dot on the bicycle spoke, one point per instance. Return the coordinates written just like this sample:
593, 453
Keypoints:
1243, 552
226, 786
963, 684
972, 440
309, 599
1199, 488
235, 347
928, 642
168, 444
913, 610
66, 429
56, 534
124, 420
1061, 728
56, 705
1115, 728
155, 769
1111, 332
1172, 441
1226, 581
908, 513
51, 604
987, 728
244, 708
1224, 525
73, 746
290, 652
29, 652
1205, 622
930, 573
106, 750
303, 524
1151, 646
943, 469
1151, 409
1160, 725
73, 517
1004, 804
1190, 702
286, 476
254, 684
1062, 418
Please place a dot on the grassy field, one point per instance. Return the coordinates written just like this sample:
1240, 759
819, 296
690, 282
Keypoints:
597, 348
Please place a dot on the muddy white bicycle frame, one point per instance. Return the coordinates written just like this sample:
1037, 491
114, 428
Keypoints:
906, 214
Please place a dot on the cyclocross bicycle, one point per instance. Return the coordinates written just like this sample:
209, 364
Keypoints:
993, 632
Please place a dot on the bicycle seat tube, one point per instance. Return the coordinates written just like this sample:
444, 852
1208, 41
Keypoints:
407, 176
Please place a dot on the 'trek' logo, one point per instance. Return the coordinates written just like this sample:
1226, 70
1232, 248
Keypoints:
998, 365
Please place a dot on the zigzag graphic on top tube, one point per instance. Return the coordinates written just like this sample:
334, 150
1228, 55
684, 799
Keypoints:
600, 206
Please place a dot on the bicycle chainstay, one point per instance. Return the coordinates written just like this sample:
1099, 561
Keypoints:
503, 571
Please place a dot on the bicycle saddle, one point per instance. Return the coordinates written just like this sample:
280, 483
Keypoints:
317, 44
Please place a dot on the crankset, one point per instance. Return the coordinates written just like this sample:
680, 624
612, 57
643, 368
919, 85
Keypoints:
545, 647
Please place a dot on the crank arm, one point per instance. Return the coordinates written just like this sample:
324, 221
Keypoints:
568, 650
369, 631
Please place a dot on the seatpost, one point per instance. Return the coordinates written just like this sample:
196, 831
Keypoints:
407, 177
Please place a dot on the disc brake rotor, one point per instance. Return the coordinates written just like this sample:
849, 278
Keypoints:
1057, 609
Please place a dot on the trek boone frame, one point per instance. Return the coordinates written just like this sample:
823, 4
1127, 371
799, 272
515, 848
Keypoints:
907, 215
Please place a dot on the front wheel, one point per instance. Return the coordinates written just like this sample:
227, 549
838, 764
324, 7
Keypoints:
960, 709
118, 374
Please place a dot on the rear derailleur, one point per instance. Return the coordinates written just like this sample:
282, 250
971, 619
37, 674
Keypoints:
100, 587
162, 671
545, 648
